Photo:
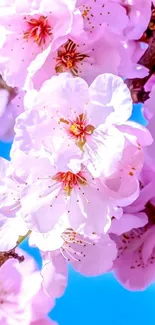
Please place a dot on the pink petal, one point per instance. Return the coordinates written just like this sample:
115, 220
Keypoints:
54, 275
98, 256
127, 222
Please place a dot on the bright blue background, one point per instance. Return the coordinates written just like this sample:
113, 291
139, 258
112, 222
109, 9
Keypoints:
100, 300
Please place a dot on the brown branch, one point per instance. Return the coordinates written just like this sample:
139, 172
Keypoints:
4, 256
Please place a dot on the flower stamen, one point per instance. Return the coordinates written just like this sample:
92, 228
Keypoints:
79, 129
68, 58
38, 30
71, 238
70, 180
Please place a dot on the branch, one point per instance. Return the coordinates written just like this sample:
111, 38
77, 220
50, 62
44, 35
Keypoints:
4, 256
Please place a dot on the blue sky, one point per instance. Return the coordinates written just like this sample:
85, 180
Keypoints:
100, 300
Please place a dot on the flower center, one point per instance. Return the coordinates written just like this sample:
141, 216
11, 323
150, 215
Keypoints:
79, 129
68, 58
70, 180
38, 30
85, 12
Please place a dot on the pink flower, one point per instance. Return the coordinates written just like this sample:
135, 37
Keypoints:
32, 31
130, 166
64, 189
134, 237
65, 110
79, 57
91, 256
134, 266
101, 48
21, 295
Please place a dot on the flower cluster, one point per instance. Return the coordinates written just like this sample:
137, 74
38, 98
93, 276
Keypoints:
22, 299
80, 183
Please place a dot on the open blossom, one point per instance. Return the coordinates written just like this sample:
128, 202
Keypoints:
63, 186
130, 166
90, 255
65, 110
22, 299
134, 266
79, 57
66, 189
94, 50
104, 49
84, 59
32, 31
80, 185
134, 237
135, 230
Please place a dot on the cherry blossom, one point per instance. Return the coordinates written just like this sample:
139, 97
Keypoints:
32, 31
21, 294
85, 116
90, 256
134, 266
66, 189
134, 237
80, 183
79, 57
